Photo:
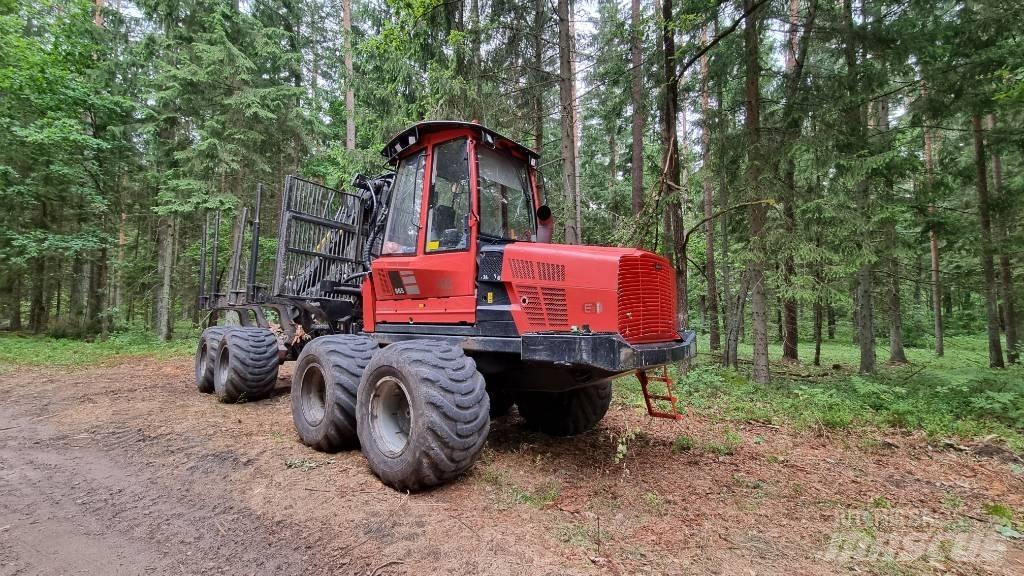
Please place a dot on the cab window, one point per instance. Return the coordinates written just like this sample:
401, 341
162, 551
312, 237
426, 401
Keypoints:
448, 208
404, 218
506, 207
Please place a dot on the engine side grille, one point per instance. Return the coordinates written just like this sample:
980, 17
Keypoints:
521, 269
532, 305
646, 299
545, 307
555, 307
551, 272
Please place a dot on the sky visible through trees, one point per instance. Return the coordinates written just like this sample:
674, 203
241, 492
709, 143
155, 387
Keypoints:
815, 169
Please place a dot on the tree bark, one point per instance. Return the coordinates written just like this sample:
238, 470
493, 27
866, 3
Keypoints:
734, 327
567, 98
38, 316
819, 307
15, 302
933, 241
790, 340
706, 173
350, 97
538, 95
165, 267
896, 353
995, 349
864, 308
758, 212
637, 97
1005, 268
672, 190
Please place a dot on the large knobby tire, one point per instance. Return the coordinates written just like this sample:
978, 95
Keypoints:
565, 413
422, 414
247, 364
324, 389
206, 356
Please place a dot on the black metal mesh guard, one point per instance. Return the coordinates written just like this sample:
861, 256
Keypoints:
321, 238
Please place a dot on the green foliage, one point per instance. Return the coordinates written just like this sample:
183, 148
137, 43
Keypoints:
682, 443
952, 396
19, 350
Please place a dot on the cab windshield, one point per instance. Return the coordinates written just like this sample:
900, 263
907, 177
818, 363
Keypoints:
506, 201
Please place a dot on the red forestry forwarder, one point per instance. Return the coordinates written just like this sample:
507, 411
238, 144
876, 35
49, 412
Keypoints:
429, 301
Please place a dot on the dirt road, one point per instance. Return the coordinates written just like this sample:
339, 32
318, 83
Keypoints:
126, 469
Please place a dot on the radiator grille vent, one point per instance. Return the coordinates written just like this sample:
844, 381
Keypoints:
646, 299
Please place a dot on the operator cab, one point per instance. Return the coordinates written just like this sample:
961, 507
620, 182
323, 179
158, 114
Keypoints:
458, 187
475, 179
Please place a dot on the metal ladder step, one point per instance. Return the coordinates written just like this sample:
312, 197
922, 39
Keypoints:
645, 383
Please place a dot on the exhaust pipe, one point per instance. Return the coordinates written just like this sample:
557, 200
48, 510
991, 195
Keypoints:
545, 224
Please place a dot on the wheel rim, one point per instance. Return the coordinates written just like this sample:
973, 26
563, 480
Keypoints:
314, 395
391, 415
222, 367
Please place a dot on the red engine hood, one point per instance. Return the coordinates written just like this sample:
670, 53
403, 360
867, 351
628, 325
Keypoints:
557, 287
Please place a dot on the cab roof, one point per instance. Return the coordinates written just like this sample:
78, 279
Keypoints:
415, 133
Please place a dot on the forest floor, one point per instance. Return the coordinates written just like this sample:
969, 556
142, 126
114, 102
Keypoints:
123, 468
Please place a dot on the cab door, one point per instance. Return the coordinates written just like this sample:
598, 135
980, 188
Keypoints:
427, 270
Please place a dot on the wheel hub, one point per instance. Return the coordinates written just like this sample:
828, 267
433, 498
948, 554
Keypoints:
391, 415
314, 395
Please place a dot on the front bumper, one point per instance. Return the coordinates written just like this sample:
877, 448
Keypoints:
607, 352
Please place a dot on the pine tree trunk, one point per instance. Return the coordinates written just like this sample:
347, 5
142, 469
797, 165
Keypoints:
566, 93
38, 317
896, 353
637, 98
350, 97
723, 200
734, 327
790, 338
15, 301
77, 294
864, 302
672, 191
995, 349
1005, 269
165, 267
758, 212
538, 96
715, 342
818, 313
933, 241
118, 288
987, 260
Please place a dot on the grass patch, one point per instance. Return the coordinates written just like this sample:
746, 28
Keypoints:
511, 494
653, 501
682, 443
581, 535
727, 445
954, 396
25, 350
